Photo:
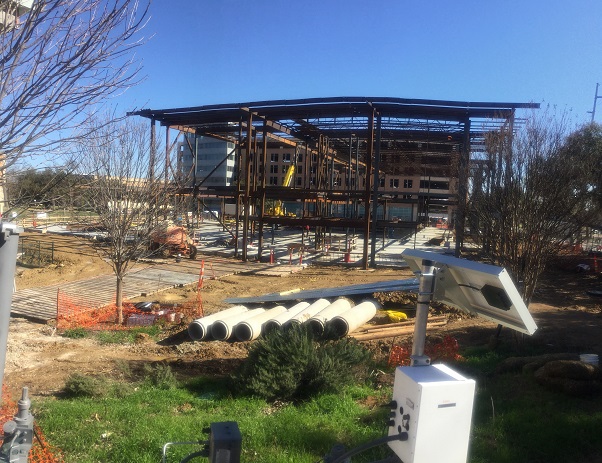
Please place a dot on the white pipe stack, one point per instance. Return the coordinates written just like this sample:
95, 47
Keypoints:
279, 320
200, 328
222, 329
309, 312
250, 329
317, 322
352, 319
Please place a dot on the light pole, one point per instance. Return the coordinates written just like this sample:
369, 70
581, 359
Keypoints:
593, 111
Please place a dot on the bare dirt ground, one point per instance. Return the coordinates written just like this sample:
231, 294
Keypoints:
568, 319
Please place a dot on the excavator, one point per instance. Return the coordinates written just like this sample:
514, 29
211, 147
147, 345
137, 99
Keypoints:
278, 206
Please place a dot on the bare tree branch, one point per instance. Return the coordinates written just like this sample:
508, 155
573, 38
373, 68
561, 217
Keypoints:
528, 199
64, 57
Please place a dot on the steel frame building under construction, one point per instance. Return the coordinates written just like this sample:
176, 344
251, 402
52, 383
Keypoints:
360, 139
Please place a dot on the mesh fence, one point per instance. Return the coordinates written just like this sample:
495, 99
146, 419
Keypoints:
445, 349
78, 312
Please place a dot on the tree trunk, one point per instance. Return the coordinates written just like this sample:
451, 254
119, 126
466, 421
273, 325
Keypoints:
119, 299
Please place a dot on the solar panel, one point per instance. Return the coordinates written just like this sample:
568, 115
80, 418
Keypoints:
476, 288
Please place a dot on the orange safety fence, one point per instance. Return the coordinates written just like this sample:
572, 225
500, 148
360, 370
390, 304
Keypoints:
446, 349
41, 451
79, 312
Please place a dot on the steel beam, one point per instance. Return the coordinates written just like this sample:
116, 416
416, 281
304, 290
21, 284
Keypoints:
368, 187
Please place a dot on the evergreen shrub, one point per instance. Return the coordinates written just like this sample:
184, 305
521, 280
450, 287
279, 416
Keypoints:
291, 365
80, 385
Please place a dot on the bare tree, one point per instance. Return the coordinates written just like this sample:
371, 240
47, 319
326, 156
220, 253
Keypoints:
127, 192
61, 58
527, 198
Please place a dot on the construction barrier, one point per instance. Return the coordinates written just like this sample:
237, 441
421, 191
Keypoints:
446, 350
77, 312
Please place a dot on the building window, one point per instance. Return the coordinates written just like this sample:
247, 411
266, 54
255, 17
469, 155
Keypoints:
284, 169
434, 185
382, 181
299, 157
274, 169
274, 157
286, 157
394, 183
299, 169
407, 183
299, 181
273, 180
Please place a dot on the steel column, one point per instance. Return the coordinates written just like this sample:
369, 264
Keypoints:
237, 195
153, 151
375, 192
463, 164
368, 188
247, 187
264, 153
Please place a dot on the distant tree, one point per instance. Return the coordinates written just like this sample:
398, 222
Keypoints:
56, 62
528, 198
583, 151
126, 190
48, 188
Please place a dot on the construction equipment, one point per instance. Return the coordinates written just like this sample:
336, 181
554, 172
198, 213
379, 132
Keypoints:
173, 240
278, 208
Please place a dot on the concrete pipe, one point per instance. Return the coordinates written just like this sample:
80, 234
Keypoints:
279, 320
317, 323
200, 328
352, 319
224, 328
250, 329
309, 312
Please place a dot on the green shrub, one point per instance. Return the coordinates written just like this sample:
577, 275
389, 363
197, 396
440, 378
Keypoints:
292, 365
79, 385
160, 376
75, 333
127, 336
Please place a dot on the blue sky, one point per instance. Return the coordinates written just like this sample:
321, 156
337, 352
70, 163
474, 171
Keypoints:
226, 51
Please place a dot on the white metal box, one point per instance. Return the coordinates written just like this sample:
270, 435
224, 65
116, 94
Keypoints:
433, 405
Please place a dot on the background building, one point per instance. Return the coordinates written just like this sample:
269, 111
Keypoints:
415, 192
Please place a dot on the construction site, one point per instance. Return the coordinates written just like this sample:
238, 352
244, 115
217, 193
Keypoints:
328, 217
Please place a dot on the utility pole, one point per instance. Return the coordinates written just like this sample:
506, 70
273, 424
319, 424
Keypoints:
593, 111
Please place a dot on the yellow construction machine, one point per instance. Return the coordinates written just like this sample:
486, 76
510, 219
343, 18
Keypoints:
277, 208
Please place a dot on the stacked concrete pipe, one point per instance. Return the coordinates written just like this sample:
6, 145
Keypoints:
350, 320
250, 328
223, 329
317, 323
200, 328
278, 321
308, 312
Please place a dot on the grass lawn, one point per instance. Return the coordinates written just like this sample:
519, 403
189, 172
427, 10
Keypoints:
514, 420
